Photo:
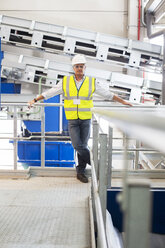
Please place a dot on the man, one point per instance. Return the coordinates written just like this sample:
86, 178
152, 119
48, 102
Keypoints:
78, 92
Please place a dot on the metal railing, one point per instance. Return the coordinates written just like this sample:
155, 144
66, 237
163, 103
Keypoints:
15, 137
102, 242
145, 126
119, 111
148, 127
100, 215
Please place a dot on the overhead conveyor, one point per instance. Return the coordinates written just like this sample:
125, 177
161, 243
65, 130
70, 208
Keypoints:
45, 50
102, 47
29, 69
32, 68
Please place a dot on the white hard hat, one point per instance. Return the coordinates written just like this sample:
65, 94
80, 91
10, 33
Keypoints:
78, 59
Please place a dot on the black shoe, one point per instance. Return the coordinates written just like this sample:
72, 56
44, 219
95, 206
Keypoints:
82, 178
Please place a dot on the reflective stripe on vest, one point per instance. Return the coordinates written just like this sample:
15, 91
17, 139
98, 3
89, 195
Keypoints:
80, 109
84, 94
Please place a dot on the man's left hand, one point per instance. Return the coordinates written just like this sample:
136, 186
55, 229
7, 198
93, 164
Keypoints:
128, 104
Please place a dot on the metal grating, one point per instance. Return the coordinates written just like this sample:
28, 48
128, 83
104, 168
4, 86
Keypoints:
44, 212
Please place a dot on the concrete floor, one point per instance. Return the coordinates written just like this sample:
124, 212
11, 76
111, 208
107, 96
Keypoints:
47, 212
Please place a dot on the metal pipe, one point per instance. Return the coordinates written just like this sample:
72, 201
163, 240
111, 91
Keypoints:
36, 104
91, 216
60, 115
64, 137
142, 16
163, 72
118, 107
5, 133
149, 18
134, 149
15, 141
125, 172
148, 128
136, 155
6, 149
38, 137
95, 145
110, 139
134, 118
103, 174
139, 17
99, 215
43, 138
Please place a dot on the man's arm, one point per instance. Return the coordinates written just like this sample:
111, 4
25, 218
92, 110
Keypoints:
38, 98
107, 95
120, 100
57, 90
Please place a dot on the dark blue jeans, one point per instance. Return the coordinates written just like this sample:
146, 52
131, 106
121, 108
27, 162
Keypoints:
79, 131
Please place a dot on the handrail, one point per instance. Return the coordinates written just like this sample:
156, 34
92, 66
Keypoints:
35, 104
99, 215
106, 104
139, 125
150, 129
37, 137
130, 116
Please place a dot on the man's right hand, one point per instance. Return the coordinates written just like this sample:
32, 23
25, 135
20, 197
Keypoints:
30, 104
38, 98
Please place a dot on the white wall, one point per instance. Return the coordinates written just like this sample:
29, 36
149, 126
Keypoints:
105, 16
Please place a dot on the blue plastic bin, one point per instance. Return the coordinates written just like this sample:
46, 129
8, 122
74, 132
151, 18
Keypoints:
57, 154
1, 57
51, 119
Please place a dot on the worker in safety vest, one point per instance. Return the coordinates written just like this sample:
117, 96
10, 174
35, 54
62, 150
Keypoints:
78, 93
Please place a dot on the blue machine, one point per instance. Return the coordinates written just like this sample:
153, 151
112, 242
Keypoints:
10, 88
51, 119
1, 57
57, 153
158, 213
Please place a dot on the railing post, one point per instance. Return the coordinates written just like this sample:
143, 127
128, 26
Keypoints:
110, 140
137, 214
60, 115
136, 219
121, 197
95, 145
137, 155
43, 136
103, 171
163, 73
15, 142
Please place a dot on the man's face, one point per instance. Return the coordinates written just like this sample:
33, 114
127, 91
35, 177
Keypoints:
79, 69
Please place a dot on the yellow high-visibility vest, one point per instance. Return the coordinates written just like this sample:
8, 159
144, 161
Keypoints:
78, 103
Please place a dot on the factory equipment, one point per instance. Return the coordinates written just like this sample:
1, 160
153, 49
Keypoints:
41, 49
37, 55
